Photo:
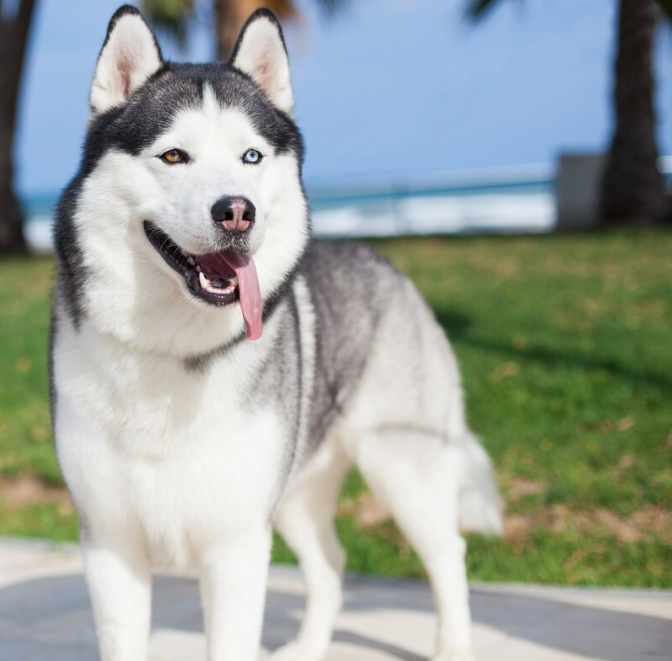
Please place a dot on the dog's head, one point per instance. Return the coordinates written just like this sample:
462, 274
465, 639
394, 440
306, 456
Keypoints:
188, 212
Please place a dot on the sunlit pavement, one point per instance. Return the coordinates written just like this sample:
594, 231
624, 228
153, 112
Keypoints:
45, 616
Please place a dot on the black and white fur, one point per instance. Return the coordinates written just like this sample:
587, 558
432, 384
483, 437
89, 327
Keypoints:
181, 441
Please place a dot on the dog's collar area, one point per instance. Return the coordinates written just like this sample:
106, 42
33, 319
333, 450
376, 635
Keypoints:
218, 278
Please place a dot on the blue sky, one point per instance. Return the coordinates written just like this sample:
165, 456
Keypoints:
389, 87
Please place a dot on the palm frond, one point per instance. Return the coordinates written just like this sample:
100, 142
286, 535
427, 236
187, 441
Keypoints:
331, 7
666, 7
477, 10
285, 10
170, 16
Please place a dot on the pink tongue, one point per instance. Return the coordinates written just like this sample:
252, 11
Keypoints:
248, 289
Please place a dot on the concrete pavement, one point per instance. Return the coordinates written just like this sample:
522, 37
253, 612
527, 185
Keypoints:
45, 616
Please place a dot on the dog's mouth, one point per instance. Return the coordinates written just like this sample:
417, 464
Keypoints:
218, 278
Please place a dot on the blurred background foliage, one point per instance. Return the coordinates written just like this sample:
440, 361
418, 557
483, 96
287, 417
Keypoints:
633, 189
563, 340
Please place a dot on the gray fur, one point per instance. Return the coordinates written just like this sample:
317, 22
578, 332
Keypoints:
349, 285
182, 433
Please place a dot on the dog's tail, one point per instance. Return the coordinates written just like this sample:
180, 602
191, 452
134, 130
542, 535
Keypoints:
480, 505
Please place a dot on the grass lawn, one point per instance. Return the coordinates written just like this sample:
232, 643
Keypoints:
565, 344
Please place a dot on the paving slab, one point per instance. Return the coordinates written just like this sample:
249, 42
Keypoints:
45, 615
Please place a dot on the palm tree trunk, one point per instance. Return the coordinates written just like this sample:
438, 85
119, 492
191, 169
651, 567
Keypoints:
632, 189
226, 31
230, 16
13, 39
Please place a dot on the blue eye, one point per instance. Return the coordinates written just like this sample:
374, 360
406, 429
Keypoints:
252, 156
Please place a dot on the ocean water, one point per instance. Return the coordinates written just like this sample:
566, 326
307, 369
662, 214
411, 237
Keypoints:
435, 208
39, 211
517, 200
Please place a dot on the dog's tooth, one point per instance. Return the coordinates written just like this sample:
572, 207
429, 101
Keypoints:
191, 261
198, 268
234, 280
205, 283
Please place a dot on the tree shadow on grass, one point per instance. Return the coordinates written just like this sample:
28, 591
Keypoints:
459, 327
50, 619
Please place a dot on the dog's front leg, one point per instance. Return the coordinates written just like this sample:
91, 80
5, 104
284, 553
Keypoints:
233, 588
119, 580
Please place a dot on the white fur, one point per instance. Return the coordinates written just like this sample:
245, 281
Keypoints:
128, 59
125, 190
167, 470
170, 468
261, 54
305, 520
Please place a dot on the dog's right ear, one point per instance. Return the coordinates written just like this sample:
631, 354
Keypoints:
130, 55
261, 54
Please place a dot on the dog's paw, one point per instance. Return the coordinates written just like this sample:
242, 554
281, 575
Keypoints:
295, 652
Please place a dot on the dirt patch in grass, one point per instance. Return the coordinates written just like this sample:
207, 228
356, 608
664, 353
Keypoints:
366, 508
522, 487
26, 491
560, 518
633, 527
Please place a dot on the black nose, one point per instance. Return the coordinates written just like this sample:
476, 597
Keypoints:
235, 214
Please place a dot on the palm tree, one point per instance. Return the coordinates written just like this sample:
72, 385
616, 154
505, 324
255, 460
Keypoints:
229, 16
15, 20
632, 186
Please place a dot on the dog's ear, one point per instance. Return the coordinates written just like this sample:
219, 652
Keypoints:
130, 55
260, 53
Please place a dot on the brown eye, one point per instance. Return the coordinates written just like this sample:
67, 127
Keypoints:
173, 156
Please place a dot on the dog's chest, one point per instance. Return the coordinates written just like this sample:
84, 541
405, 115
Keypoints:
185, 456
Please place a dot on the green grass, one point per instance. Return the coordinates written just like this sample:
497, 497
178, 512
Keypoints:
44, 520
565, 345
26, 443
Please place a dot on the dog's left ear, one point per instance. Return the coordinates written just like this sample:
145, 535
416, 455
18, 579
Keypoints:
130, 55
260, 53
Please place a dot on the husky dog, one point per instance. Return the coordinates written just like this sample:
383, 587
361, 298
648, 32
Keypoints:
215, 373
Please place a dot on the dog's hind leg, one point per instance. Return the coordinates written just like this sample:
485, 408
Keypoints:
415, 475
304, 518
